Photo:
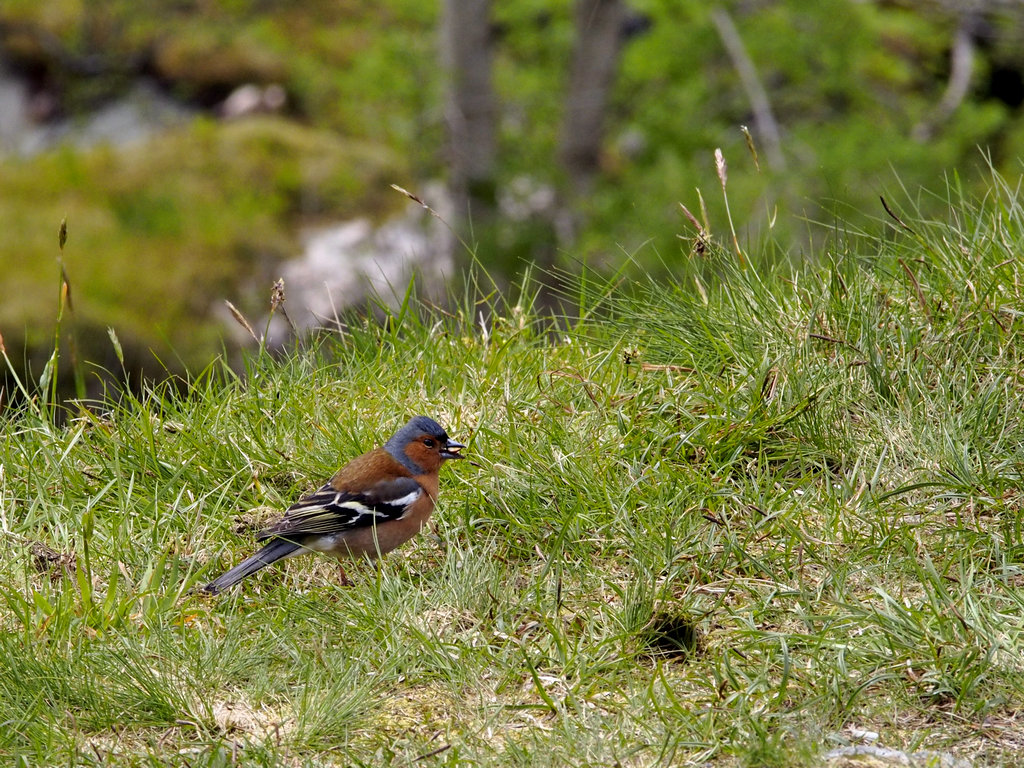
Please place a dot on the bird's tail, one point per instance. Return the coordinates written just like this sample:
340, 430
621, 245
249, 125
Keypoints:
274, 551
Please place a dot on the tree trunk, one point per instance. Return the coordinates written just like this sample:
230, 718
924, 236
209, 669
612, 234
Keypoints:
470, 113
594, 62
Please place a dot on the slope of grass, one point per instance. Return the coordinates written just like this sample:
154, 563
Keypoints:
727, 520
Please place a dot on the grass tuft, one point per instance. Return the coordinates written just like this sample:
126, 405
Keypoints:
734, 524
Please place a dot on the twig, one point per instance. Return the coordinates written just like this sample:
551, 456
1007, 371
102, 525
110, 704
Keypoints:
277, 303
917, 287
240, 319
750, 146
438, 751
660, 367
830, 340
961, 67
765, 121
723, 176
896, 218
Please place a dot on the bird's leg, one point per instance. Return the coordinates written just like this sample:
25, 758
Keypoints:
435, 534
343, 578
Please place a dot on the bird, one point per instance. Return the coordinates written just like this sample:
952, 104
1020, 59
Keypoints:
375, 503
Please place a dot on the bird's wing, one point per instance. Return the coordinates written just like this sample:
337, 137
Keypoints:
329, 511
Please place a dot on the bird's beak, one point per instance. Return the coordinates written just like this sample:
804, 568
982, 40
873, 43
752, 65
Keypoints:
451, 450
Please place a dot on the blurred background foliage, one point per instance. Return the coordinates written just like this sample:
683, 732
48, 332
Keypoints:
164, 227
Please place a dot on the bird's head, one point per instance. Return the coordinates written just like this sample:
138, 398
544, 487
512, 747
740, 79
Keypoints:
422, 446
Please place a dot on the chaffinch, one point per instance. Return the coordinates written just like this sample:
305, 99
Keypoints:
373, 504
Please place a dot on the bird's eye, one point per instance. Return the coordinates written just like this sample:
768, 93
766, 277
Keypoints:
429, 443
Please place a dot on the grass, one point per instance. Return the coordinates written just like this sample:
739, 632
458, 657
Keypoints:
731, 519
